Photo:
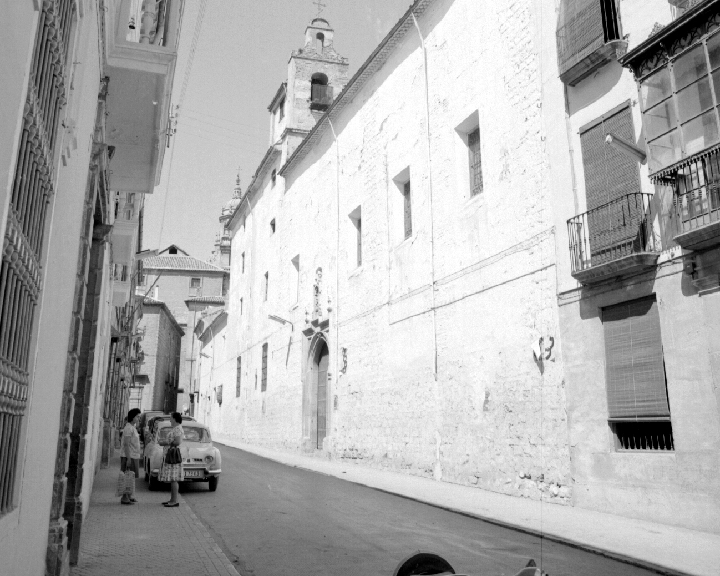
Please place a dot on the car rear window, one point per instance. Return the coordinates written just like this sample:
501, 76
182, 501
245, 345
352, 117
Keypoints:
191, 434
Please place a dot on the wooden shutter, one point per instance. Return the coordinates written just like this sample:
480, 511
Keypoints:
584, 27
611, 177
635, 369
263, 384
407, 202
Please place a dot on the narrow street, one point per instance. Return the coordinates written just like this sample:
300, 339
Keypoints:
275, 520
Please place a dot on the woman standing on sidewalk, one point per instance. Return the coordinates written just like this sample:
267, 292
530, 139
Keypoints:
173, 473
130, 453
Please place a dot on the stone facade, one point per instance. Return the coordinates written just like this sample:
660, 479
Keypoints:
443, 349
169, 279
161, 338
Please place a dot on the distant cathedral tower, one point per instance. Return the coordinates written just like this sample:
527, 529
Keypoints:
316, 75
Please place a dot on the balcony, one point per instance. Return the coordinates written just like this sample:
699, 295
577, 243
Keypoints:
697, 202
141, 38
613, 240
588, 37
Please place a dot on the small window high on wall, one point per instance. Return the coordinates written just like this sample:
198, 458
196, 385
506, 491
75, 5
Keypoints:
263, 382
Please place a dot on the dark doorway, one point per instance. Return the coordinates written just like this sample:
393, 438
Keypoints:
322, 371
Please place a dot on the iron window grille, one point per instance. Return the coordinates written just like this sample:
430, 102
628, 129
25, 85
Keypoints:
263, 383
476, 180
407, 209
30, 199
238, 377
657, 436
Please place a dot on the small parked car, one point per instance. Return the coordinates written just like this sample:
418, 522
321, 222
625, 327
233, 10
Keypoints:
201, 459
143, 422
152, 422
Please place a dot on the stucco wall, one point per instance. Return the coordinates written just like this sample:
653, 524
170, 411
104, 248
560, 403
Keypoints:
161, 345
24, 531
676, 487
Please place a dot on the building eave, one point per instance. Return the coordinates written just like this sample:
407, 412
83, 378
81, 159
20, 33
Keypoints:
643, 50
278, 96
373, 64
260, 173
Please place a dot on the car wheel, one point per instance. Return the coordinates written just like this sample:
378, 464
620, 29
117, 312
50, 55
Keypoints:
213, 482
154, 484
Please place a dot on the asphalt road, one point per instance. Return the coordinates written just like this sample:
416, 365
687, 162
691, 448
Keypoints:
275, 520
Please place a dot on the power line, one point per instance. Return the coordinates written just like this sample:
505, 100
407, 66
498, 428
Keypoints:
219, 141
193, 111
231, 130
193, 48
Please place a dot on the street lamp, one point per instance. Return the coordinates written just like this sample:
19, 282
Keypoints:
281, 320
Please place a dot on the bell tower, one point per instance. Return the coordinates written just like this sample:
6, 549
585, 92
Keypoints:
316, 75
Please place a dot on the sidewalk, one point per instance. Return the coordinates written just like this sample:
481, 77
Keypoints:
144, 538
664, 548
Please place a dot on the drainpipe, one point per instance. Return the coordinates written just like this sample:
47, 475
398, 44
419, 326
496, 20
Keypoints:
430, 186
337, 269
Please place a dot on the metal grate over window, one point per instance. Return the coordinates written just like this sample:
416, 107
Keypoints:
263, 383
407, 209
476, 180
30, 196
238, 376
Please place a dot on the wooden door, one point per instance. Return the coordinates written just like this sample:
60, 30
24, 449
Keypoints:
323, 361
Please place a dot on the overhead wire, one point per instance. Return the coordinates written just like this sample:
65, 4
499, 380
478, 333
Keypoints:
188, 69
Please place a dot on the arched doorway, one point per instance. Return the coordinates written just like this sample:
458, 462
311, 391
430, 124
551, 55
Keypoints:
322, 358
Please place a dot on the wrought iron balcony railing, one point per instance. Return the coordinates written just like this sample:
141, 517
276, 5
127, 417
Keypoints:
614, 238
697, 202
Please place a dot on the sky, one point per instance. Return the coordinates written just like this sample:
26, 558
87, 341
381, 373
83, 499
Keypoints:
240, 60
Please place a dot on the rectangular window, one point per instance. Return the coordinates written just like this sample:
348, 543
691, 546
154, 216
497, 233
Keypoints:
243, 263
266, 286
263, 382
281, 110
612, 187
679, 103
238, 376
474, 162
296, 277
638, 408
407, 209
195, 287
241, 306
356, 242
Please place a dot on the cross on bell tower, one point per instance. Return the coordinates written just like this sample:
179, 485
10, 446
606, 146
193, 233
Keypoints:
320, 7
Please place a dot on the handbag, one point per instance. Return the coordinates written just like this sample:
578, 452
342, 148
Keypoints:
120, 486
173, 456
130, 482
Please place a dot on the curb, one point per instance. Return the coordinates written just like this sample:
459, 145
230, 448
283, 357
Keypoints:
276, 456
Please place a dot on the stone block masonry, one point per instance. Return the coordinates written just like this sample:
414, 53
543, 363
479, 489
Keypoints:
444, 353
